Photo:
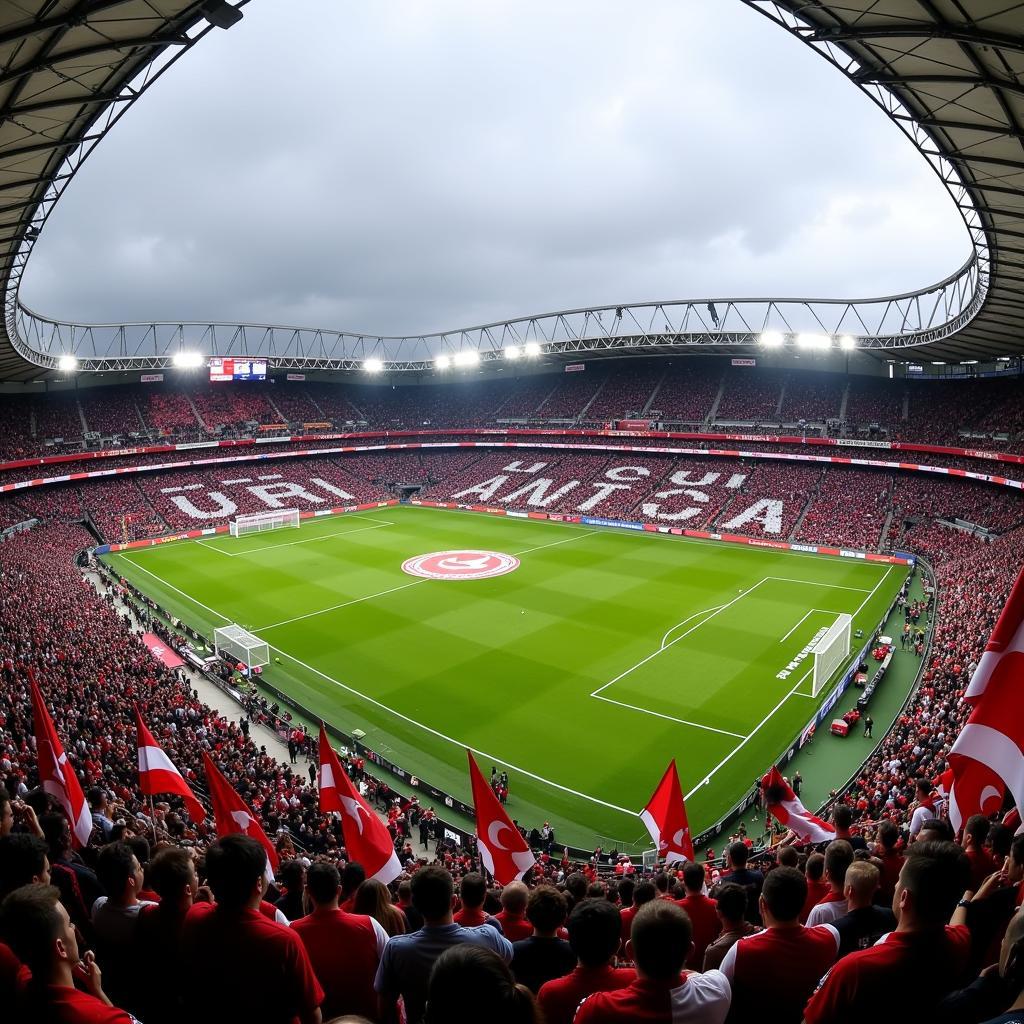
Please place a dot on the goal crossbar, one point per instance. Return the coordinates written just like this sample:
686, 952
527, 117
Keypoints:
241, 645
260, 522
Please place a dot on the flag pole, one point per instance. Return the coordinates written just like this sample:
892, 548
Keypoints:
152, 816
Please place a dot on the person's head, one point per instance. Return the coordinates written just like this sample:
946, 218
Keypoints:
782, 897
1000, 839
23, 860
576, 887
737, 853
405, 892
888, 835
323, 883
139, 845
814, 869
373, 899
34, 923
788, 857
97, 799
660, 940
933, 878
1011, 953
693, 877
57, 834
546, 909
119, 872
862, 881
514, 897
661, 882
235, 869
6, 813
838, 857
976, 830
923, 789
432, 891
472, 890
469, 984
595, 930
842, 818
626, 887
935, 830
732, 904
643, 893
353, 874
172, 874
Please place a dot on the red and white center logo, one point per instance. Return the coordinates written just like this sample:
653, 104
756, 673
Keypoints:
467, 564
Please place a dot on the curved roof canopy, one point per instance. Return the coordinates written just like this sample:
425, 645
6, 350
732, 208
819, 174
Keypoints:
948, 72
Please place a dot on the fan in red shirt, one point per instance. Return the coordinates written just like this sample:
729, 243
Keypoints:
643, 893
703, 914
778, 969
239, 965
512, 918
982, 863
40, 933
472, 894
923, 949
594, 937
817, 887
344, 949
892, 862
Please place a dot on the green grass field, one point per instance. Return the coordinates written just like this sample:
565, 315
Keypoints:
583, 672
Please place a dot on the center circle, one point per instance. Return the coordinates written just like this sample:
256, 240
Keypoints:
460, 564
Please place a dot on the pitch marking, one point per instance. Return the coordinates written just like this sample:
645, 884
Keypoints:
670, 718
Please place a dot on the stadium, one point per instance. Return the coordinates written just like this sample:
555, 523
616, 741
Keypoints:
265, 587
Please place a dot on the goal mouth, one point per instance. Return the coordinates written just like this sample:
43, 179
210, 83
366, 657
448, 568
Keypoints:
831, 652
241, 645
263, 522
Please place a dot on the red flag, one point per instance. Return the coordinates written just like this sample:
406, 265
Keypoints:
665, 818
367, 840
783, 804
232, 815
55, 771
157, 773
988, 755
508, 861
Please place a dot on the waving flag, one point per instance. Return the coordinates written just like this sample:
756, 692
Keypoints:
367, 839
55, 771
988, 755
784, 806
665, 818
503, 850
232, 815
158, 775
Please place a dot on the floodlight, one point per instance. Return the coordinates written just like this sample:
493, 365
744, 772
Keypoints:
470, 357
532, 349
938, 362
442, 362
771, 339
67, 363
847, 342
373, 365
968, 362
187, 360
512, 352
1003, 359
813, 341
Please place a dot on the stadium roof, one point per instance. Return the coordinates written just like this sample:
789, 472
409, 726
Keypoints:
948, 72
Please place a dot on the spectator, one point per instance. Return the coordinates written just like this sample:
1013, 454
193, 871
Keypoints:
470, 984
731, 907
921, 949
512, 918
660, 942
926, 806
232, 950
817, 887
23, 860
98, 808
374, 900
643, 892
751, 880
413, 918
779, 967
472, 894
344, 949
838, 857
842, 818
982, 864
865, 922
594, 935
292, 877
544, 955
888, 836
407, 959
702, 912
353, 874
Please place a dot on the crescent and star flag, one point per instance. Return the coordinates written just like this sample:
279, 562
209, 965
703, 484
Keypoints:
988, 755
367, 839
783, 805
665, 818
232, 815
56, 774
503, 850
157, 774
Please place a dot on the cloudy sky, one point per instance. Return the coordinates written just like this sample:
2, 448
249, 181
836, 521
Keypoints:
407, 166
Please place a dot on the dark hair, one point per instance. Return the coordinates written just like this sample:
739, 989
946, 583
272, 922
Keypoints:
1017, 849
732, 901
170, 871
693, 876
234, 864
936, 873
432, 890
788, 857
941, 830
596, 891
738, 854
595, 930
1000, 838
784, 892
661, 936
644, 893
576, 887
473, 890
290, 874
140, 847
977, 827
322, 881
888, 834
838, 857
546, 908
30, 924
626, 889
924, 785
661, 881
842, 816
353, 874
815, 866
95, 795
114, 866
22, 858
469, 983
56, 833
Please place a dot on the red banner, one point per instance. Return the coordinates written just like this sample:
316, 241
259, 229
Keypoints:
161, 651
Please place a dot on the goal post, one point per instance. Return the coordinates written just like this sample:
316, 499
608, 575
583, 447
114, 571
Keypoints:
241, 645
260, 522
830, 652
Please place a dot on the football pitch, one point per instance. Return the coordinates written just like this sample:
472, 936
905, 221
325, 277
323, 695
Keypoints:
582, 671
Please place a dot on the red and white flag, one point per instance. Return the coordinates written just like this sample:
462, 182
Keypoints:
503, 850
367, 839
157, 773
988, 755
233, 816
785, 807
56, 774
665, 818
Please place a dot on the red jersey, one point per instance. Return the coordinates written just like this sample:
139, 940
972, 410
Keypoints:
905, 972
778, 968
706, 926
514, 926
982, 865
627, 914
242, 966
892, 865
344, 950
815, 891
559, 998
69, 1006
473, 917
700, 998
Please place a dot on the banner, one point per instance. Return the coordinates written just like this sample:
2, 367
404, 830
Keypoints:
743, 362
296, 376
151, 378
161, 651
575, 367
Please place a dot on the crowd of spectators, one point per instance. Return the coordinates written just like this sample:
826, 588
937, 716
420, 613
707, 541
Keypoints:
111, 411
752, 397
120, 511
572, 394
687, 392
625, 393
848, 509
814, 397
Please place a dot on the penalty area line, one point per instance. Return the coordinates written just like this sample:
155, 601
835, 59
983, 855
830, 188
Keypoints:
188, 597
670, 718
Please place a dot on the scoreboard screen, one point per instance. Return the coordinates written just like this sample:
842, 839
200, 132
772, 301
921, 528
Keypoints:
237, 369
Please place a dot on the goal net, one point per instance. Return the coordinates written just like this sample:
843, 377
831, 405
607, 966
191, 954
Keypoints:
260, 522
830, 652
241, 645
